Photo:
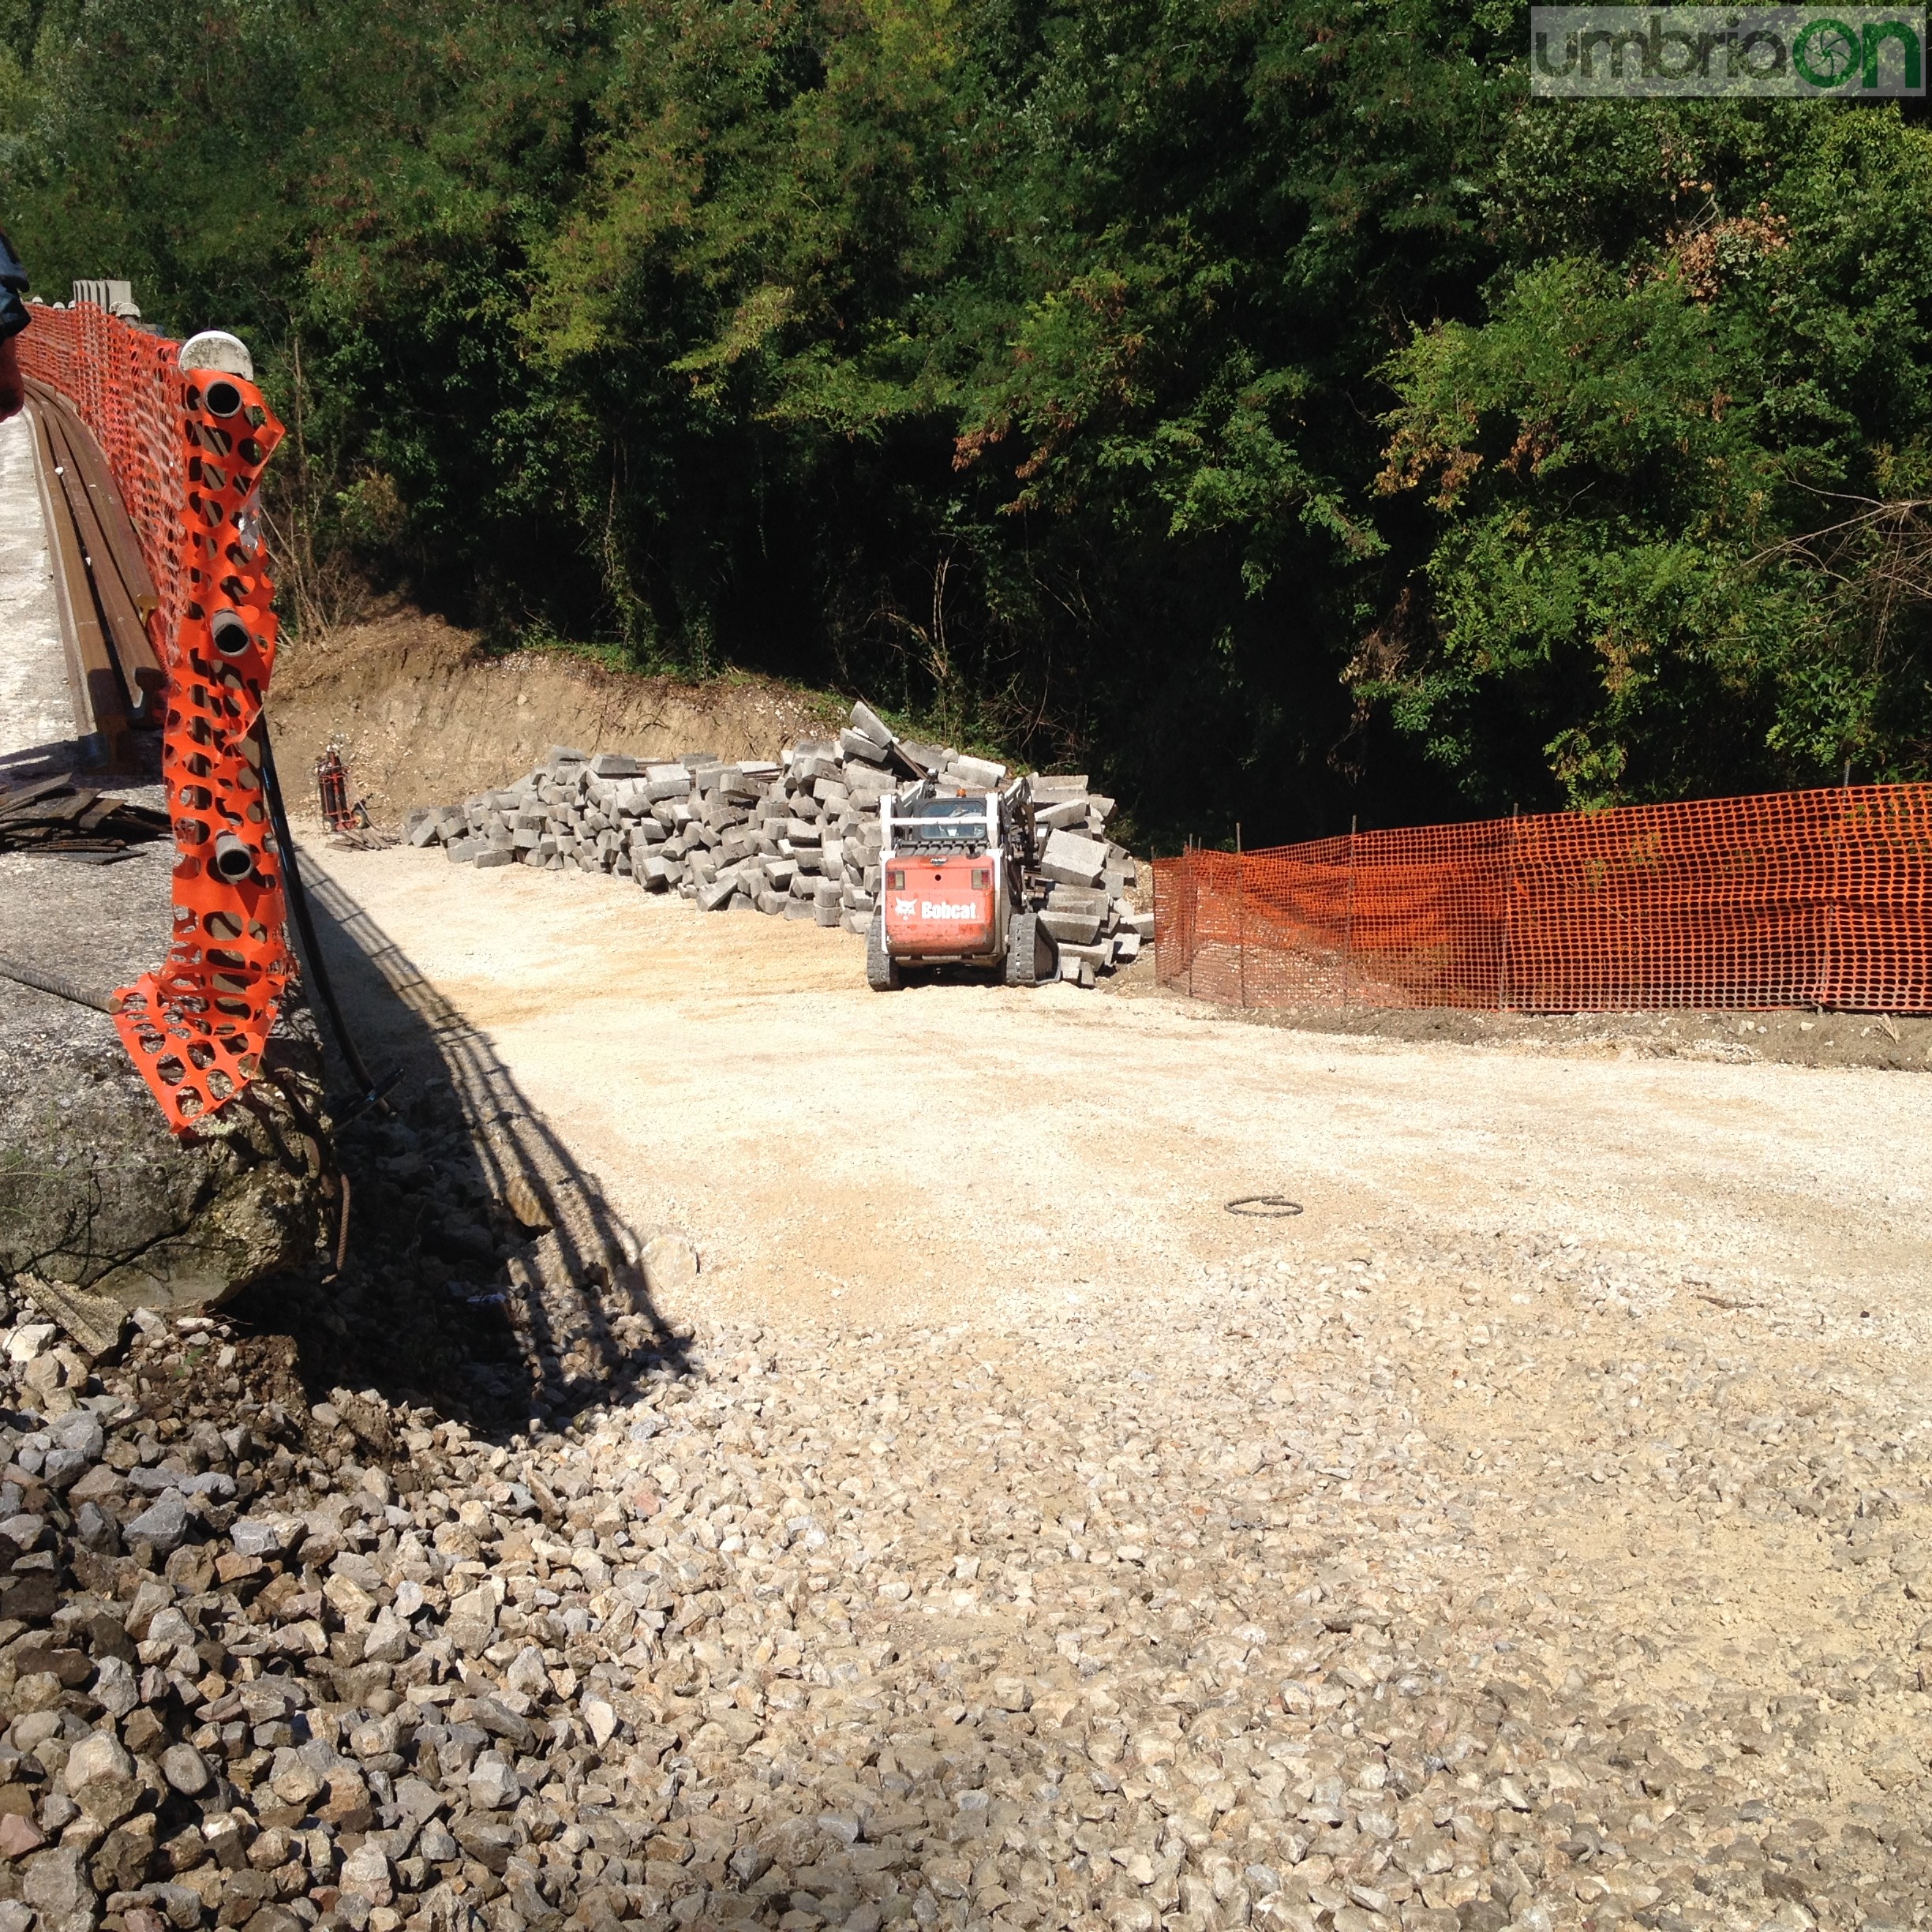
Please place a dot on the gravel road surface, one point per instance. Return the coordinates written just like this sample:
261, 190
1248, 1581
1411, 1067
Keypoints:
1533, 1531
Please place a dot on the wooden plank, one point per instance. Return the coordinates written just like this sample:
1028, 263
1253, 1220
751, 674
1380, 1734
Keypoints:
101, 720
53, 514
17, 798
127, 635
98, 476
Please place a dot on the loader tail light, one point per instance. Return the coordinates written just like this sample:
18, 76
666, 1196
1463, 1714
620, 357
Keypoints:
896, 882
983, 878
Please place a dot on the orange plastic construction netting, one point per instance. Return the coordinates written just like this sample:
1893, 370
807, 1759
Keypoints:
186, 448
1789, 899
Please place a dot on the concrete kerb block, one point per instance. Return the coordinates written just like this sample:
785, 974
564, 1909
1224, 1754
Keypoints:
1093, 955
1064, 816
857, 745
1069, 859
1064, 898
1070, 927
979, 774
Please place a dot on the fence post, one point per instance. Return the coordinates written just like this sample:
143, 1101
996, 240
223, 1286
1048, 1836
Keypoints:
1509, 911
1835, 921
1154, 885
1348, 913
1240, 909
1195, 910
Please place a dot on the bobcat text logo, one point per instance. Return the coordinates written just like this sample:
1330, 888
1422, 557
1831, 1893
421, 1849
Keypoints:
938, 909
1850, 53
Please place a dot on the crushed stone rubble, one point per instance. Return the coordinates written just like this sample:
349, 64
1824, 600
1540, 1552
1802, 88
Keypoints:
796, 839
1403, 1585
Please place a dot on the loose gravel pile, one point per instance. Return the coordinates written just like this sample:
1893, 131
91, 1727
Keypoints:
799, 839
1401, 1587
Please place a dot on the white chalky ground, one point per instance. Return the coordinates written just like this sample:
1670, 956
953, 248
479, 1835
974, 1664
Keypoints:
1532, 1532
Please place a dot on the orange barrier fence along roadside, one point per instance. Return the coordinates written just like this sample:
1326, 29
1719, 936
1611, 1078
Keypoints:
186, 447
1816, 898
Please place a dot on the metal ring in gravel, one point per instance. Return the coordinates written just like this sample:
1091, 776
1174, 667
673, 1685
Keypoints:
1267, 1207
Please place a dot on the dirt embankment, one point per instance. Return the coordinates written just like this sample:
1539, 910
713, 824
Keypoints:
1795, 1037
425, 717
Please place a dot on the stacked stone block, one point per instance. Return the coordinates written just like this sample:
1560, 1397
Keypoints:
797, 839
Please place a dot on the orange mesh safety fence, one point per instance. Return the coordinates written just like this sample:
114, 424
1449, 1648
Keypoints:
1790, 898
187, 448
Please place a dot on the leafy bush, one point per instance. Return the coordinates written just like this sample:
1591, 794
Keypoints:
1265, 402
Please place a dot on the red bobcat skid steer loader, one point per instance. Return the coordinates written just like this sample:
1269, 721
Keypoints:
954, 886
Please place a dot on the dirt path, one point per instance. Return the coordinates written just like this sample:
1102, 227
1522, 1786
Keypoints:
916, 1154
1549, 1503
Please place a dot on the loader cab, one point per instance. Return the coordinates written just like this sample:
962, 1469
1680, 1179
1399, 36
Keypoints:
945, 826
942, 877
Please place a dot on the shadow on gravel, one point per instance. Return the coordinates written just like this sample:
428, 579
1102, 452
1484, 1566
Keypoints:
485, 1274
62, 757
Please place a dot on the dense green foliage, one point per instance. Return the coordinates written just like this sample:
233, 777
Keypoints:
1258, 388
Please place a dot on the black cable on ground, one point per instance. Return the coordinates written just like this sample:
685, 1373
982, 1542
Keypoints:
369, 1091
61, 988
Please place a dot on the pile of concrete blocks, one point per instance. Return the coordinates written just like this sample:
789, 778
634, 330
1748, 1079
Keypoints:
797, 839
1082, 882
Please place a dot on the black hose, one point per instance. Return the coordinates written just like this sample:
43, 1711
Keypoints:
369, 1091
44, 982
